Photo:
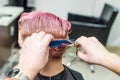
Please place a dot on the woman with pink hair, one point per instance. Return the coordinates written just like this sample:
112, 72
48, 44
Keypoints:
36, 21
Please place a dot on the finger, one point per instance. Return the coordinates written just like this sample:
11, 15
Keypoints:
47, 53
82, 41
34, 35
26, 40
93, 38
20, 51
81, 55
41, 34
47, 39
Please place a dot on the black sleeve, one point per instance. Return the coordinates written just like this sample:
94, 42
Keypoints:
76, 75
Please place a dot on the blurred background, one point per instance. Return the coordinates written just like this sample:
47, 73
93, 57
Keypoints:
99, 18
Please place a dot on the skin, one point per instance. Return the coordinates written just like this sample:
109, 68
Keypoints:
48, 69
94, 52
29, 54
50, 24
55, 22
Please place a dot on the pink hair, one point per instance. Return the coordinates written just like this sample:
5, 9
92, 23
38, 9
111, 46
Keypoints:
36, 21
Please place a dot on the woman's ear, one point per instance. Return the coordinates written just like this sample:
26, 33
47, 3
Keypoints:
20, 39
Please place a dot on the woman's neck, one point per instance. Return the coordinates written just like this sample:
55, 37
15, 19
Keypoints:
52, 68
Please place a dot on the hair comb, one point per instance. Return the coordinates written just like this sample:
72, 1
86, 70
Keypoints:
58, 43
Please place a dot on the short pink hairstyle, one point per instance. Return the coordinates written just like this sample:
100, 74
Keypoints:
36, 21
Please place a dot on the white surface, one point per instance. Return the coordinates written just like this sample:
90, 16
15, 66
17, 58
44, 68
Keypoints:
3, 2
62, 7
9, 10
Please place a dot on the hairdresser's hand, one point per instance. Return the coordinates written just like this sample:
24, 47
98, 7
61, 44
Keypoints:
93, 50
34, 53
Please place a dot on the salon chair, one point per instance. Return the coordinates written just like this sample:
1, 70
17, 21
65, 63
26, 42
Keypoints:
92, 26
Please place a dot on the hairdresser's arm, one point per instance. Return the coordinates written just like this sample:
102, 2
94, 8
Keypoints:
94, 52
34, 54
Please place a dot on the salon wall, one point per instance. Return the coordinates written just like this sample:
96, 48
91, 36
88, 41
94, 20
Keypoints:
62, 7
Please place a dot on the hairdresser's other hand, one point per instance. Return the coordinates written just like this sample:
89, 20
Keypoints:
34, 53
93, 50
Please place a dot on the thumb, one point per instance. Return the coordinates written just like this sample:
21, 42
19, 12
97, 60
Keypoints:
82, 55
20, 51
